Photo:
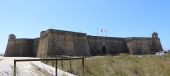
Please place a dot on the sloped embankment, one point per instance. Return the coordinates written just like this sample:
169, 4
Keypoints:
35, 68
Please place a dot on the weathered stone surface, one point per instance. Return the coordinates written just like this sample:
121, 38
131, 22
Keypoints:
59, 42
19, 48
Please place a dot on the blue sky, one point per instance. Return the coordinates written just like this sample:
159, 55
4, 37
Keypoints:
122, 18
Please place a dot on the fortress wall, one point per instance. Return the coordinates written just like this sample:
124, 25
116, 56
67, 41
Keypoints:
10, 49
158, 44
81, 45
24, 47
96, 44
43, 42
106, 45
139, 45
59, 42
19, 47
35, 46
65, 43
117, 45
143, 45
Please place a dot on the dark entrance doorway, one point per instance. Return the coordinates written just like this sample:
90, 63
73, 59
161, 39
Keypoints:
104, 50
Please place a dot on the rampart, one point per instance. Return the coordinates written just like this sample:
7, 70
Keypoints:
59, 42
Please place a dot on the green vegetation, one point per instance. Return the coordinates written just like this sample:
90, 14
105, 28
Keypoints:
123, 65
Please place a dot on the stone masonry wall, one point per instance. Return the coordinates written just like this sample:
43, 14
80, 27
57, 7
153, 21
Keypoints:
43, 44
59, 42
137, 45
106, 45
19, 47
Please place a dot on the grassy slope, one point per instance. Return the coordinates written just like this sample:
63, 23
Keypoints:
124, 65
128, 66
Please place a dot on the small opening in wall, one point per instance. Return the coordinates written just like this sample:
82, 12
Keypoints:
11, 38
104, 50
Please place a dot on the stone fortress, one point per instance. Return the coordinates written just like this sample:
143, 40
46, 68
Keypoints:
59, 42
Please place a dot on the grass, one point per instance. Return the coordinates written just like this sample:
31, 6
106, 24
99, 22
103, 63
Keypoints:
123, 65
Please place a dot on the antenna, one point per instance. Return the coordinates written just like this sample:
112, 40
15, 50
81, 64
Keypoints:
104, 31
97, 31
